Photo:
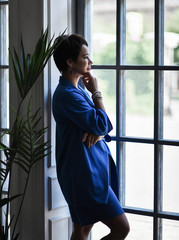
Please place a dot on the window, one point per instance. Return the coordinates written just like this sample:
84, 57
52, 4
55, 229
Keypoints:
4, 74
4, 68
135, 47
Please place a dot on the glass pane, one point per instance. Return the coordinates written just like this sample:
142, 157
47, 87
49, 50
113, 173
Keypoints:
171, 35
171, 179
139, 175
170, 230
141, 228
104, 31
99, 230
107, 86
112, 146
4, 98
4, 35
139, 103
171, 105
140, 32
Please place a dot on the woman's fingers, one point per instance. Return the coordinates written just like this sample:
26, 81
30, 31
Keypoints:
90, 82
84, 137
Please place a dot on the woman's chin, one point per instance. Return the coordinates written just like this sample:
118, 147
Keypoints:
85, 72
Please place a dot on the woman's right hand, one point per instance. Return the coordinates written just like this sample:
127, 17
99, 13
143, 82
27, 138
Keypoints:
90, 139
90, 82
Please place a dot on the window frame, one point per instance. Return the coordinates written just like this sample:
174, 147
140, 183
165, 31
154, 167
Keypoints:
2, 129
3, 67
82, 9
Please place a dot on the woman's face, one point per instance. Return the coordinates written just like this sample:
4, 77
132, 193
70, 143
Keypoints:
83, 63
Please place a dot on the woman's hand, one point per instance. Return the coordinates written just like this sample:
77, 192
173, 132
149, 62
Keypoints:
90, 82
90, 139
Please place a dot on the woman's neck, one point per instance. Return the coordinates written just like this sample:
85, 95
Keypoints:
73, 78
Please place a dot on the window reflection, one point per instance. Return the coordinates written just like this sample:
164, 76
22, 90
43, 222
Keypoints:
4, 35
171, 34
171, 105
107, 85
140, 32
170, 179
104, 32
4, 98
170, 229
139, 175
139, 103
141, 227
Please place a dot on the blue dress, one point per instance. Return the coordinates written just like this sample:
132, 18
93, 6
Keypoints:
83, 173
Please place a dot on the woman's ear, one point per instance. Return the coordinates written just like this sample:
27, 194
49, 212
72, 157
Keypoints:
69, 62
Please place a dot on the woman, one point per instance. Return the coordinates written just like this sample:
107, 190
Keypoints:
82, 156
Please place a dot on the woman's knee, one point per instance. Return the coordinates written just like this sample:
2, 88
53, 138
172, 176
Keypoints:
126, 225
123, 226
124, 230
119, 226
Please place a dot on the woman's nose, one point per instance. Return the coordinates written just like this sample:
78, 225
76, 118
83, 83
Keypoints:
90, 61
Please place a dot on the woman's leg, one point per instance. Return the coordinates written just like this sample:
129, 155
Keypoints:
119, 228
81, 232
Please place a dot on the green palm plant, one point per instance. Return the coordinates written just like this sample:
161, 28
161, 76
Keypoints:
27, 145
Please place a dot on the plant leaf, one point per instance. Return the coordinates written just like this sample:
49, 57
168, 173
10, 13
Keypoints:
5, 201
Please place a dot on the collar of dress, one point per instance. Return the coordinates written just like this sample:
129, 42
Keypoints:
65, 81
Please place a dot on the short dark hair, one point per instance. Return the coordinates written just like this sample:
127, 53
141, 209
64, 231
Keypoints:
69, 48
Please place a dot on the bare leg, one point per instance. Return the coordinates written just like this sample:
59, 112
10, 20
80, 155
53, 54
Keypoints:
119, 228
80, 232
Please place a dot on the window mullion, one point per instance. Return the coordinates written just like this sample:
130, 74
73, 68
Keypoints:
120, 96
158, 117
121, 32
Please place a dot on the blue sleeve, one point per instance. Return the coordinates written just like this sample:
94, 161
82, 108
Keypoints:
74, 106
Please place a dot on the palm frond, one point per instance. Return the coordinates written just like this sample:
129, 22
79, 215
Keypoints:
28, 67
16, 74
5, 201
23, 59
30, 146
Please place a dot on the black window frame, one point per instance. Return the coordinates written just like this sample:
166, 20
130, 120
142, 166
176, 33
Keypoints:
157, 141
3, 87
